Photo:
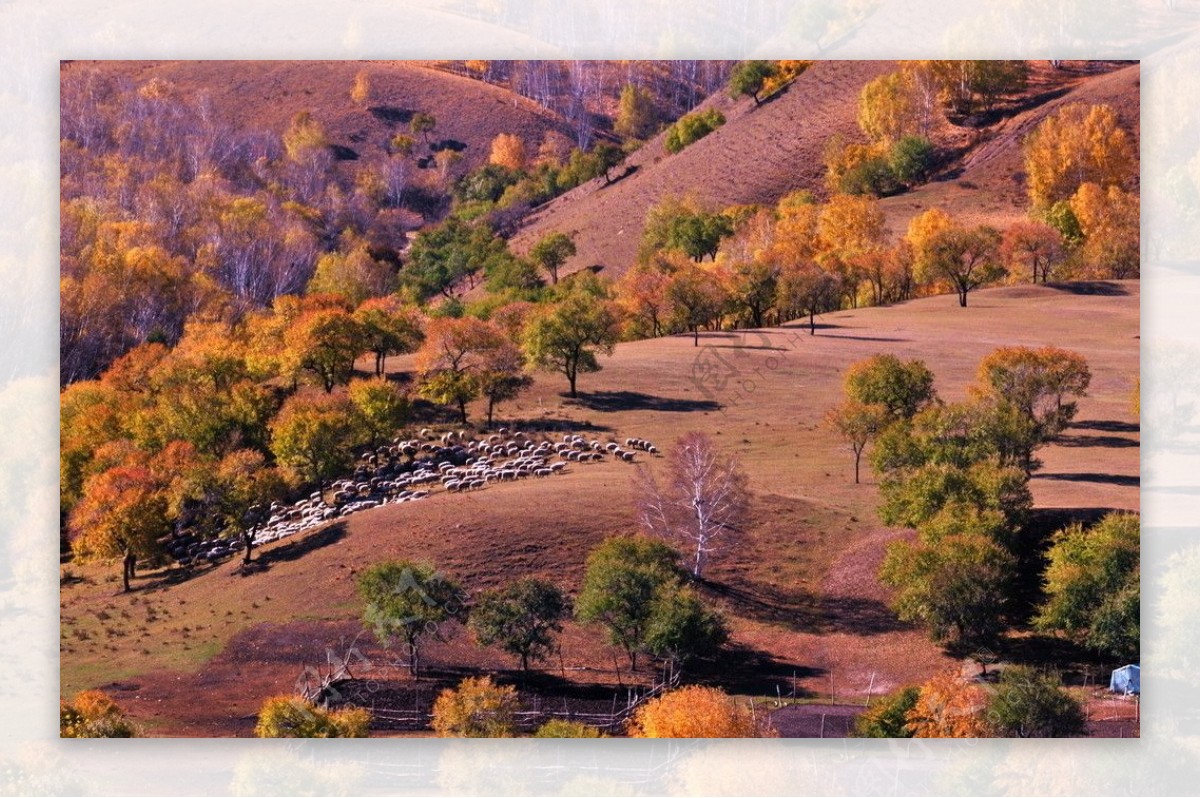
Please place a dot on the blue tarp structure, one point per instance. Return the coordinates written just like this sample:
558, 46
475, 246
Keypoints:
1126, 680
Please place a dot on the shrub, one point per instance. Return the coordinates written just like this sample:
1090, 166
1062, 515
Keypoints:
567, 728
888, 717
477, 708
292, 716
1031, 704
93, 714
691, 128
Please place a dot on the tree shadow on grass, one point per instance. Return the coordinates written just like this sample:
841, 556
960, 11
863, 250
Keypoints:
616, 401
1097, 441
301, 545
1090, 288
1104, 479
1107, 426
744, 670
391, 114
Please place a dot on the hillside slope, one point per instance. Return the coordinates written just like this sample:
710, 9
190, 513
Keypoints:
761, 154
265, 95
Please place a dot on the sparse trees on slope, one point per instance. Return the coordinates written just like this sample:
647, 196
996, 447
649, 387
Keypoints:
637, 117
382, 407
1109, 220
454, 357
326, 343
702, 504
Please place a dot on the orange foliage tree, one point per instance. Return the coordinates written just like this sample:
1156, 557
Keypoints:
948, 706
1076, 145
694, 712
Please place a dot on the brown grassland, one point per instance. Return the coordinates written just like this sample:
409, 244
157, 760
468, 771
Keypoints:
195, 656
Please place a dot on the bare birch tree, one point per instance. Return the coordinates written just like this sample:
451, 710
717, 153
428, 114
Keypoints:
702, 504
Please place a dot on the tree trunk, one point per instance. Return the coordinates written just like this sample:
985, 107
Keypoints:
812, 323
695, 335
633, 659
127, 564
462, 408
857, 458
571, 381
249, 540
962, 299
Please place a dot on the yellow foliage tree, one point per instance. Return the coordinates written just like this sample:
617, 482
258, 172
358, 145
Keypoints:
695, 712
292, 716
1110, 221
888, 108
508, 150
360, 92
1078, 144
477, 708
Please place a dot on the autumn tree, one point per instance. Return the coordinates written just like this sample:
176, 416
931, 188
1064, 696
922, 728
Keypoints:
1038, 383
523, 618
239, 491
501, 375
293, 716
389, 327
381, 405
888, 108
478, 707
1077, 144
566, 336
1033, 247
407, 601
637, 116
1093, 585
753, 287
949, 706
551, 252
857, 424
353, 275
559, 728
508, 150
1109, 221
452, 362
850, 225
690, 128
696, 712
701, 505
326, 343
748, 78
315, 436
806, 289
360, 92
965, 258
121, 515
642, 294
968, 87
696, 297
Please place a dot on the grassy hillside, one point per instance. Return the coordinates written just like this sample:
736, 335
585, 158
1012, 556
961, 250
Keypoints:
764, 153
800, 590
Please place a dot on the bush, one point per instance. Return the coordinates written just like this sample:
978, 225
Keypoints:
1031, 704
911, 159
694, 712
477, 708
888, 717
567, 728
292, 716
93, 714
691, 128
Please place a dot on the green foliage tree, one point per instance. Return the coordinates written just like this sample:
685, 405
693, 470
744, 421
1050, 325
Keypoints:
681, 224
292, 716
478, 707
680, 626
566, 336
326, 343
422, 124
1027, 703
915, 496
1092, 585
888, 716
315, 436
748, 78
624, 577
523, 618
637, 116
911, 159
692, 127
453, 250
551, 252
407, 600
902, 388
957, 588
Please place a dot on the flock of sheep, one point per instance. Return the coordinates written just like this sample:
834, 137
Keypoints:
411, 469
